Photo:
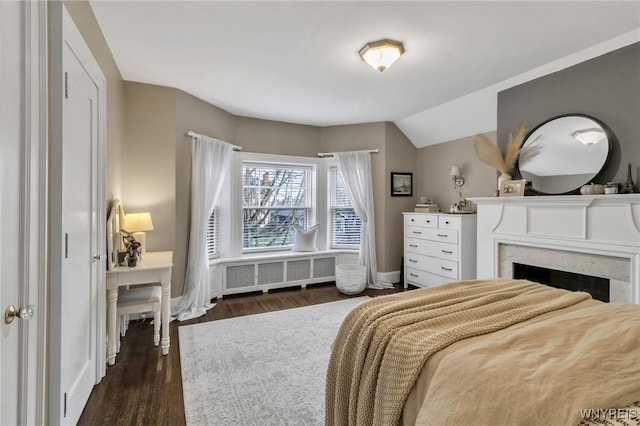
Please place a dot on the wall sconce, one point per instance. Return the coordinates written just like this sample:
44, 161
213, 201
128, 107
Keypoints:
458, 180
137, 223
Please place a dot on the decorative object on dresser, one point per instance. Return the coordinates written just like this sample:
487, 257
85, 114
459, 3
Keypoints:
426, 206
438, 248
401, 184
489, 152
512, 188
564, 153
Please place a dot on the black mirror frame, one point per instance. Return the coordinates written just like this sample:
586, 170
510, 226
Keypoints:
610, 137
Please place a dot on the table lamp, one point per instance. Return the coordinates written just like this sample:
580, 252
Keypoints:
137, 224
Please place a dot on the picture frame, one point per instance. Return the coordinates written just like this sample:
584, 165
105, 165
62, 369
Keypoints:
401, 184
512, 188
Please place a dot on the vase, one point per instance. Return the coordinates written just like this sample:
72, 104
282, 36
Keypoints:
503, 178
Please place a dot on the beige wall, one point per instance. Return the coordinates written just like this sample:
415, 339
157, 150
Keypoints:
434, 167
85, 20
148, 159
400, 156
274, 137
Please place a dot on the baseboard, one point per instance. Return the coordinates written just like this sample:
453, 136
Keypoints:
388, 277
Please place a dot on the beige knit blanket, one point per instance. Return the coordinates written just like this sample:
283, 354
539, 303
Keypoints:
383, 343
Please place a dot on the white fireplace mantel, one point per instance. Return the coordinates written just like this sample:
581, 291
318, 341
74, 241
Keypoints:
603, 225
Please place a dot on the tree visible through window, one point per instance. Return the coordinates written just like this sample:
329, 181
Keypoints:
275, 197
345, 223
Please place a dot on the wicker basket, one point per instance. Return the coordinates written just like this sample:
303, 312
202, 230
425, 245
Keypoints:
351, 278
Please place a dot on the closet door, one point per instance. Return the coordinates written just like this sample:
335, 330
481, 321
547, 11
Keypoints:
78, 229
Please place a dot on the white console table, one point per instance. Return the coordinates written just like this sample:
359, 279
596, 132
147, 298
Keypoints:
154, 267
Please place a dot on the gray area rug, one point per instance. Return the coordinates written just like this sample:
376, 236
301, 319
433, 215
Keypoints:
263, 369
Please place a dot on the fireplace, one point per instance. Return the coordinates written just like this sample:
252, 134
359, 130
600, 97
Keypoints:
595, 236
597, 287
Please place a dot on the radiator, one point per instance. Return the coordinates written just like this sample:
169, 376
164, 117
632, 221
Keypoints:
261, 275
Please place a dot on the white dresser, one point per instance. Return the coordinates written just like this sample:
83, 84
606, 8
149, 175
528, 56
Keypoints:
439, 248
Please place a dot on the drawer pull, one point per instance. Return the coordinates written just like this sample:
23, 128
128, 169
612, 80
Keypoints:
446, 222
428, 221
414, 275
413, 260
413, 245
413, 220
446, 269
443, 235
417, 232
447, 251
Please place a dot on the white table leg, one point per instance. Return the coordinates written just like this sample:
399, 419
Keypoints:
112, 333
166, 298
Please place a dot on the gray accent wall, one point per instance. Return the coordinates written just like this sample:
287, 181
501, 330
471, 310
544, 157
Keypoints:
606, 87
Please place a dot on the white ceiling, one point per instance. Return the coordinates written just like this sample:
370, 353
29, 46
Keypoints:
298, 61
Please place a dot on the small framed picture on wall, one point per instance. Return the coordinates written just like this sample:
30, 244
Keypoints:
512, 188
401, 184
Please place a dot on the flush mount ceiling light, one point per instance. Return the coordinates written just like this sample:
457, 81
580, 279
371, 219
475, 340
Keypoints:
382, 53
589, 136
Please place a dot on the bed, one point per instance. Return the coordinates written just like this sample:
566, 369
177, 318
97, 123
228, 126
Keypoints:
486, 352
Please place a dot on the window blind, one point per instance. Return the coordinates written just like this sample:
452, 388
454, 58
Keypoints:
344, 222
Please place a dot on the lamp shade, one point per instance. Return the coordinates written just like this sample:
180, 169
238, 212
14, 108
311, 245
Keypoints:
455, 171
382, 53
138, 222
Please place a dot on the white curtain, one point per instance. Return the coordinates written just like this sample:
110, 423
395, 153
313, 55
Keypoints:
355, 168
210, 159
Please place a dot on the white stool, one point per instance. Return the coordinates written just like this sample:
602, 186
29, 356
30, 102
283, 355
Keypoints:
139, 300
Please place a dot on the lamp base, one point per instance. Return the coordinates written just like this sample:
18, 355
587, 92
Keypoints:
140, 237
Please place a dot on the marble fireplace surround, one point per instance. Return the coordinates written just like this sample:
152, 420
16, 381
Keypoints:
595, 235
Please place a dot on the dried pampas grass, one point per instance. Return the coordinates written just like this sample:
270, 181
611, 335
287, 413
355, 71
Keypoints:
489, 153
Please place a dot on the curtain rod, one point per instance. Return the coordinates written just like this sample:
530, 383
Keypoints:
194, 134
330, 154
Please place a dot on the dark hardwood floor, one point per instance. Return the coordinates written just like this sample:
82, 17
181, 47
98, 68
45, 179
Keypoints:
145, 388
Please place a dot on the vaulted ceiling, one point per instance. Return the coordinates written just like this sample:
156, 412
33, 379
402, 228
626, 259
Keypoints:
298, 61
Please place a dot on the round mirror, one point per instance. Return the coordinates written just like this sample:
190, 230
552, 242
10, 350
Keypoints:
564, 153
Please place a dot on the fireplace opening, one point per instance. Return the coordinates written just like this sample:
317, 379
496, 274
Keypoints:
596, 286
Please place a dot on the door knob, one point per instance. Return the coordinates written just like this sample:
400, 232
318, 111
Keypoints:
11, 312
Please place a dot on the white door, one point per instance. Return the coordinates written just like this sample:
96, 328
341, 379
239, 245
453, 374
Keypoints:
78, 241
80, 237
23, 178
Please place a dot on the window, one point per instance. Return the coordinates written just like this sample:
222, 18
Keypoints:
344, 222
213, 237
274, 198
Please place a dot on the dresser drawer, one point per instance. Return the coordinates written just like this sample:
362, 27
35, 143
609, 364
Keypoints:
425, 279
430, 248
434, 265
439, 235
449, 222
422, 220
